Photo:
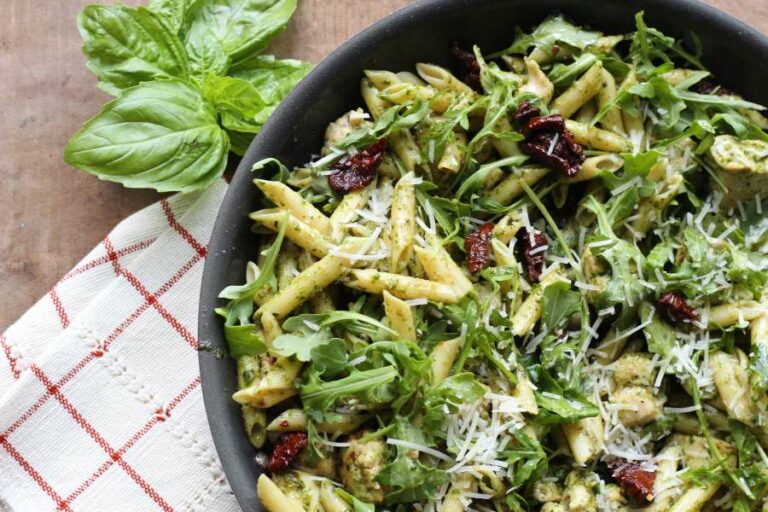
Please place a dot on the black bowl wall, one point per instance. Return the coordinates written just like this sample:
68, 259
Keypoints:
420, 32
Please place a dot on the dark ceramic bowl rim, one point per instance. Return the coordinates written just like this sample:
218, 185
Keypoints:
226, 431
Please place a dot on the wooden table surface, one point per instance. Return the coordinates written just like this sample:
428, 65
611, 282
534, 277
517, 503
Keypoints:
53, 215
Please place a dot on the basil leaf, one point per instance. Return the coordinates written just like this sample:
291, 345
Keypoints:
172, 10
242, 27
126, 46
207, 56
274, 79
237, 101
160, 135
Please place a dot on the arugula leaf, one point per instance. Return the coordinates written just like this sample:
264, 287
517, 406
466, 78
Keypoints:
330, 359
551, 31
160, 135
319, 397
476, 180
526, 458
406, 479
391, 120
559, 302
354, 322
659, 335
358, 506
563, 74
758, 365
237, 101
242, 340
125, 47
301, 345
457, 389
558, 404
241, 27
650, 46
172, 10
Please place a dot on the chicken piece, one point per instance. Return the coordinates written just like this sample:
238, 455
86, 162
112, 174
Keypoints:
645, 406
360, 463
633, 369
742, 168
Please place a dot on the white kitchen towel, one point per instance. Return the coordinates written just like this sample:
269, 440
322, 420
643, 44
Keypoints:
100, 401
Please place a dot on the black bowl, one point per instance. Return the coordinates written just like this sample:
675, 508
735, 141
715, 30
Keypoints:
418, 33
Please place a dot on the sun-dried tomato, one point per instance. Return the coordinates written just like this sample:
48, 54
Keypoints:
525, 111
637, 483
676, 309
550, 144
358, 171
477, 245
709, 86
286, 449
470, 66
543, 124
534, 252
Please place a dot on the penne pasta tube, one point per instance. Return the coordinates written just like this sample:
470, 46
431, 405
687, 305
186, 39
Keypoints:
406, 149
596, 138
440, 78
330, 500
308, 283
271, 328
580, 91
404, 93
606, 95
453, 157
510, 188
273, 499
400, 316
402, 224
346, 212
276, 384
530, 310
381, 79
732, 383
403, 287
538, 84
287, 199
376, 105
585, 438
296, 231
440, 267
726, 315
594, 166
294, 420
443, 356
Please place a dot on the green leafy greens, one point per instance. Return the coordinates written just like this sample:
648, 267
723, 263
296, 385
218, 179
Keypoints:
189, 88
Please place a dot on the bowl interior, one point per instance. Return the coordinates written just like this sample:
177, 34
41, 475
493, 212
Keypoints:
419, 33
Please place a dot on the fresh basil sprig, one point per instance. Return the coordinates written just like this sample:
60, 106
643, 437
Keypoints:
189, 88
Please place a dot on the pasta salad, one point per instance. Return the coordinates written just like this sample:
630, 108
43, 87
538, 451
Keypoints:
534, 283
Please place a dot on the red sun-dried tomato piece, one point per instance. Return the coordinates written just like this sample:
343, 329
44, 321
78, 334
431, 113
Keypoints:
709, 86
477, 245
637, 483
543, 124
534, 252
358, 171
676, 309
525, 111
286, 449
469, 64
548, 141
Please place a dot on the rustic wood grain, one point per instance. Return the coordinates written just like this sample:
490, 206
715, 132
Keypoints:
53, 215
